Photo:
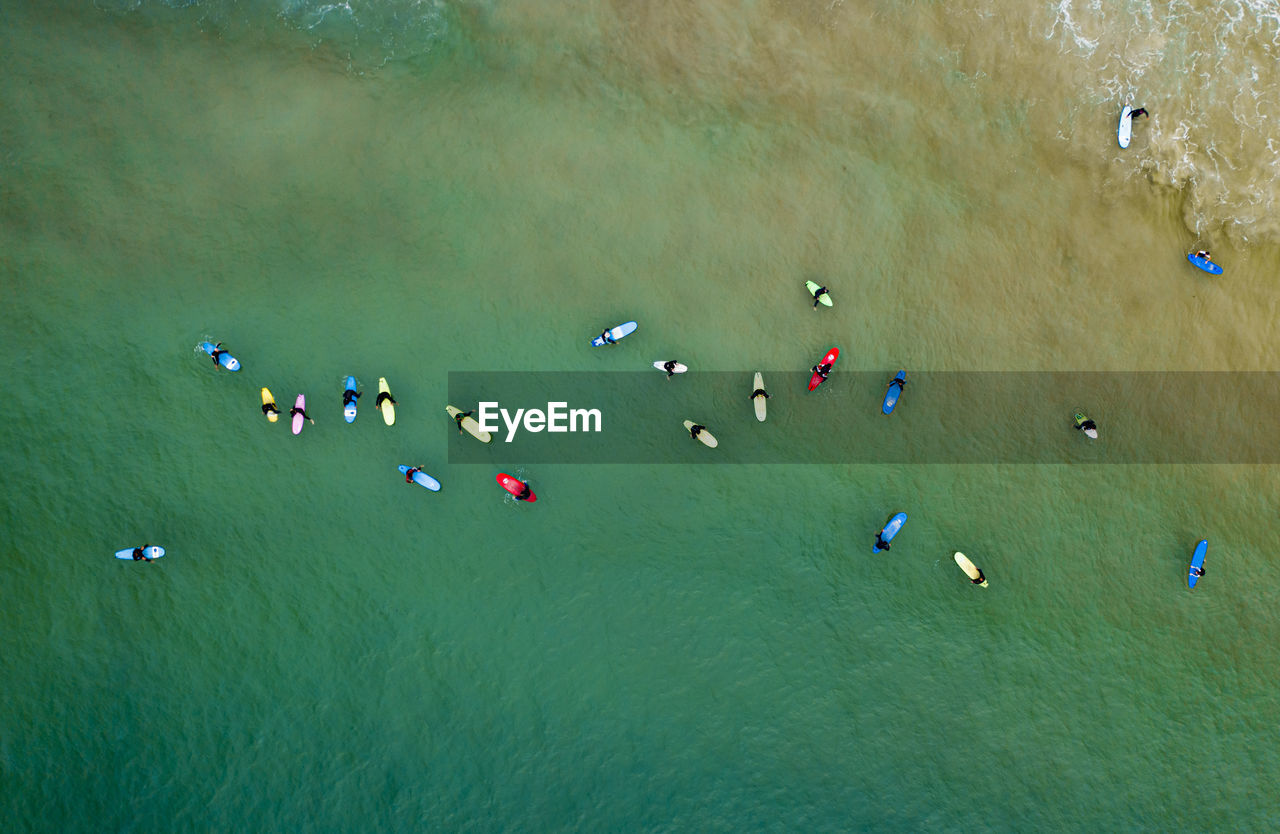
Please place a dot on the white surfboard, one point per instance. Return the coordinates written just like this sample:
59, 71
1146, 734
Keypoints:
679, 369
704, 435
152, 552
970, 570
469, 425
761, 408
1125, 131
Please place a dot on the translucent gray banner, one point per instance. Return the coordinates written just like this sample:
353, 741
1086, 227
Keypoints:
941, 417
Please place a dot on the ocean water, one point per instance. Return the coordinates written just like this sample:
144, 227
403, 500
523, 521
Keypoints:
409, 189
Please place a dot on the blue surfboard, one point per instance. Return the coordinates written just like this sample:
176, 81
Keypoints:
616, 333
1204, 263
349, 405
422, 479
894, 391
890, 530
1197, 562
225, 359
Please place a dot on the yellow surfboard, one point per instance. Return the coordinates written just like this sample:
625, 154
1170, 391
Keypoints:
267, 399
387, 408
970, 570
470, 426
704, 435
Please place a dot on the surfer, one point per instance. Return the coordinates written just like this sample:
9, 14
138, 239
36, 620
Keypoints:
410, 472
759, 392
349, 396
880, 542
898, 382
140, 555
670, 367
1085, 424
1204, 253
1196, 572
216, 352
269, 409
303, 412
607, 338
696, 430
1139, 111
977, 581
524, 493
459, 417
384, 396
817, 295
822, 369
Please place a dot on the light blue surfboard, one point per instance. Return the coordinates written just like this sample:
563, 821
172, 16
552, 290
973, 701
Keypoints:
890, 530
894, 391
1197, 562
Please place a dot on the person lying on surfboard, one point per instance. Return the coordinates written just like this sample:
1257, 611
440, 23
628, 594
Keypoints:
524, 493
759, 392
670, 367
140, 554
1085, 424
817, 296
384, 396
881, 543
898, 382
303, 412
821, 370
980, 578
349, 396
459, 417
270, 408
410, 472
696, 430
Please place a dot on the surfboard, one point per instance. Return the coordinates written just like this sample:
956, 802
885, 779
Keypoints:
1204, 263
1090, 433
677, 369
1197, 561
812, 287
829, 359
1125, 130
152, 552
301, 403
970, 570
267, 399
515, 487
469, 425
349, 409
422, 479
893, 392
225, 359
704, 435
761, 403
617, 333
890, 530
387, 408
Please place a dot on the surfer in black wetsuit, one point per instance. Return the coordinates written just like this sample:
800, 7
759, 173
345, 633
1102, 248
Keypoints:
296, 410
1197, 572
269, 409
459, 417
817, 296
140, 555
524, 493
759, 392
217, 351
821, 370
898, 382
670, 367
1086, 424
607, 338
410, 472
980, 578
384, 396
696, 430
349, 396
1139, 111
880, 542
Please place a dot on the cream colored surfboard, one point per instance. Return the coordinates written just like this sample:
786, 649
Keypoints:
970, 570
761, 408
470, 426
387, 408
704, 435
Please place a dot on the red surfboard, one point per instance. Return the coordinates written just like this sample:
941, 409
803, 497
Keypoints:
829, 359
514, 487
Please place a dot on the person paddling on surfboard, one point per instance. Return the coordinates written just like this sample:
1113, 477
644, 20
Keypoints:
270, 408
821, 370
303, 412
696, 430
524, 493
980, 578
140, 554
759, 392
459, 417
881, 543
1196, 572
817, 296
349, 396
410, 472
898, 382
670, 367
384, 396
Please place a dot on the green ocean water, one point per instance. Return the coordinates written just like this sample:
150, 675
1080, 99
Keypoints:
674, 648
